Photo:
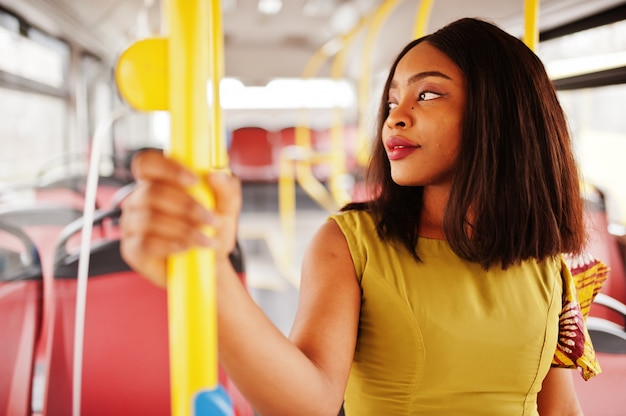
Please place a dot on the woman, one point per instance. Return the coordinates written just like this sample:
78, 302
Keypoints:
442, 295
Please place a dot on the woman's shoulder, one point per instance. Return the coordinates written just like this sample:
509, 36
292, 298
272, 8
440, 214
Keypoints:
354, 215
329, 246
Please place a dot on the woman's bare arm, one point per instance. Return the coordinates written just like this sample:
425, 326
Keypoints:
306, 375
557, 396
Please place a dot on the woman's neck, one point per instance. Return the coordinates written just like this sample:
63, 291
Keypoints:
434, 205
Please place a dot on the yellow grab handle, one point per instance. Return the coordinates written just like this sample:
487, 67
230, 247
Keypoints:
141, 74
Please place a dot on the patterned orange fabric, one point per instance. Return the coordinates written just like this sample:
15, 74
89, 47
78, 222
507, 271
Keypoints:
583, 277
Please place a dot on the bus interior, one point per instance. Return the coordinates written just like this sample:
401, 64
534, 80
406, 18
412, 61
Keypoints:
298, 94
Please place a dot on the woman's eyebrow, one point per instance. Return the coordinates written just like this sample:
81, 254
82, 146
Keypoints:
421, 75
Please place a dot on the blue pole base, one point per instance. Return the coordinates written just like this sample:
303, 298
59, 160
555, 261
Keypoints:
213, 403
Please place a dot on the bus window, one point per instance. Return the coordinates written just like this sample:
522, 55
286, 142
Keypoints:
598, 126
589, 71
39, 142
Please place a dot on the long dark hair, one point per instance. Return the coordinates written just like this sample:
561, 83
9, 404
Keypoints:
515, 172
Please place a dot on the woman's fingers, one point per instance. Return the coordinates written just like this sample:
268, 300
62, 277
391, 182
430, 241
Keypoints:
152, 165
160, 217
227, 193
163, 235
168, 200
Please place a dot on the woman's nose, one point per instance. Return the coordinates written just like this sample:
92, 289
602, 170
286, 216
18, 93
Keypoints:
400, 117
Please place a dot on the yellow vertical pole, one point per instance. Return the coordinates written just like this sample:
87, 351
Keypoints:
338, 154
422, 18
287, 208
531, 26
379, 17
219, 152
171, 74
191, 275
286, 181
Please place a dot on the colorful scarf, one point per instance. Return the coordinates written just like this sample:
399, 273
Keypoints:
583, 277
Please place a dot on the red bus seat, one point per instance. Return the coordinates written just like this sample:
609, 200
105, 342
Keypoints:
42, 223
126, 352
251, 155
20, 318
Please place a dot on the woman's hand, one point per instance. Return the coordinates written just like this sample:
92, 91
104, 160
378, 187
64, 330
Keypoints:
160, 217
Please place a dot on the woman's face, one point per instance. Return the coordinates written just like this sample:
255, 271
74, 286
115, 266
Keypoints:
422, 134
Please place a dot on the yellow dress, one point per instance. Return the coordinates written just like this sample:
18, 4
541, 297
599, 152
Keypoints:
444, 336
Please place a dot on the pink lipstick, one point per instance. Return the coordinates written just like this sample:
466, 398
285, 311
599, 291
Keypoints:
399, 148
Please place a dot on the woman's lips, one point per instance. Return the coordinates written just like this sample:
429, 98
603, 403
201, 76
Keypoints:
399, 148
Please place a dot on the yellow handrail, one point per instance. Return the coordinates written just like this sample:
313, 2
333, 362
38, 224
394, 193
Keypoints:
531, 26
305, 158
364, 86
287, 179
219, 151
336, 157
422, 18
304, 175
337, 136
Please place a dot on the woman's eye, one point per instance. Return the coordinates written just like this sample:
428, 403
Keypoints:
391, 106
428, 95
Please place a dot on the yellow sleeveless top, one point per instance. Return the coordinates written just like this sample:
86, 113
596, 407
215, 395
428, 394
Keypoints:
444, 336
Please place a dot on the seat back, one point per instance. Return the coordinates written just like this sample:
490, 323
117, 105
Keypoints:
20, 317
125, 350
251, 155
42, 222
125, 367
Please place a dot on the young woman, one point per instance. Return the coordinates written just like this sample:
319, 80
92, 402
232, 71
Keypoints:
441, 295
